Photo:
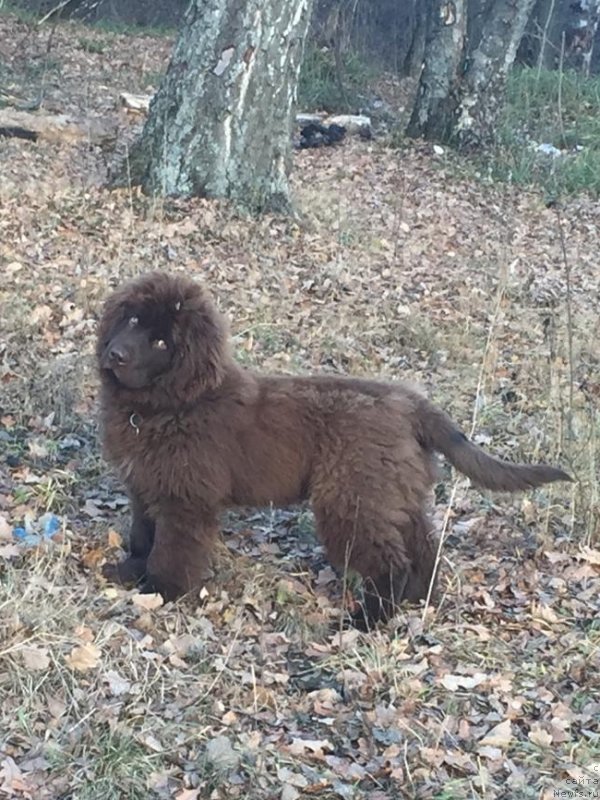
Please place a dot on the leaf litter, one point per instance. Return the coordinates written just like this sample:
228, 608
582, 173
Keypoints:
395, 267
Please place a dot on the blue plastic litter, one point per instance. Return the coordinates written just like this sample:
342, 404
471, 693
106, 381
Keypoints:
51, 525
35, 531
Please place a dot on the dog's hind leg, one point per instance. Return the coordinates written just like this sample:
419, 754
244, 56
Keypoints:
421, 544
394, 554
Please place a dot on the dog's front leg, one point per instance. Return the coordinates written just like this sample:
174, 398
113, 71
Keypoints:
180, 559
141, 539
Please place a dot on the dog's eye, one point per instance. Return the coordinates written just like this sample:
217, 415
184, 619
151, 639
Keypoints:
133, 321
159, 344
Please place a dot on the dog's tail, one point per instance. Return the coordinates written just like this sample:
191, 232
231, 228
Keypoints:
438, 432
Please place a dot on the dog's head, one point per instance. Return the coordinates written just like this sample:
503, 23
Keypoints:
161, 335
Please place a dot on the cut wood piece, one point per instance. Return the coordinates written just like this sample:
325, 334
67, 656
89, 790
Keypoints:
135, 102
307, 119
54, 127
354, 123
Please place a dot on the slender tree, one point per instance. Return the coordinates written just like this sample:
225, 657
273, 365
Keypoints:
435, 106
220, 123
562, 33
463, 84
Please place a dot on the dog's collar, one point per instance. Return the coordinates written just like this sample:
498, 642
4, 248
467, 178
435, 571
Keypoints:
135, 420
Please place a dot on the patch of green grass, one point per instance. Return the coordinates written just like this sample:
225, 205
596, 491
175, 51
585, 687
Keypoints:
22, 14
267, 339
38, 69
32, 16
21, 495
560, 110
55, 492
322, 87
114, 767
455, 790
152, 78
580, 700
128, 29
92, 46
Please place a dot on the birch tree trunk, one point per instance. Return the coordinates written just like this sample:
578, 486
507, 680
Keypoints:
462, 91
220, 123
483, 87
433, 113
581, 46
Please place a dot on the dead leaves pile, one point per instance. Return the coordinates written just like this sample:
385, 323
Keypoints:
397, 267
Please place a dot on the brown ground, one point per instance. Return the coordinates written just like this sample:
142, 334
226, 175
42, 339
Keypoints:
398, 267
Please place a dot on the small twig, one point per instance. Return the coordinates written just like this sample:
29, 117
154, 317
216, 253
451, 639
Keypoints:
568, 303
347, 556
561, 60
220, 672
52, 11
544, 40
129, 186
458, 480
594, 472
49, 43
339, 64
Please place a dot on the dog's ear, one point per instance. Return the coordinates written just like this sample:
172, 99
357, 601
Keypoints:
201, 340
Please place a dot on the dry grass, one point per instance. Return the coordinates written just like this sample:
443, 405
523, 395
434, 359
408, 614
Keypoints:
395, 270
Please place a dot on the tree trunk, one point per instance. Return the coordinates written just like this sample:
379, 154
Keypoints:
220, 123
541, 43
582, 37
412, 62
461, 93
433, 114
561, 32
484, 83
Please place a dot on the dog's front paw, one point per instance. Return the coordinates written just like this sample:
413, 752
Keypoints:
359, 619
152, 584
127, 572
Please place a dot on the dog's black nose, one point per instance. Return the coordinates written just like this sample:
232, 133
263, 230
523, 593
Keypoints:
117, 355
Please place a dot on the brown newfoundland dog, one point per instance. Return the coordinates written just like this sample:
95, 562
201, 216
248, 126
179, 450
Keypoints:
191, 433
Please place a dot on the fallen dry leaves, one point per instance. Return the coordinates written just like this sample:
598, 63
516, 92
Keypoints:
83, 657
397, 267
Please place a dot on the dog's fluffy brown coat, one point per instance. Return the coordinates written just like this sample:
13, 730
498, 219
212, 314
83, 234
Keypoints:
191, 433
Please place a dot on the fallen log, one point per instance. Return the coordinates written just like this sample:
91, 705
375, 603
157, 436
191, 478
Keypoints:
355, 124
54, 127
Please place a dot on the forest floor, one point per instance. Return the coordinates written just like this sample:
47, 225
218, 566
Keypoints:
396, 267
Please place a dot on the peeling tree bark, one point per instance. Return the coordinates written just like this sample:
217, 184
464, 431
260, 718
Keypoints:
433, 114
484, 84
462, 90
220, 123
